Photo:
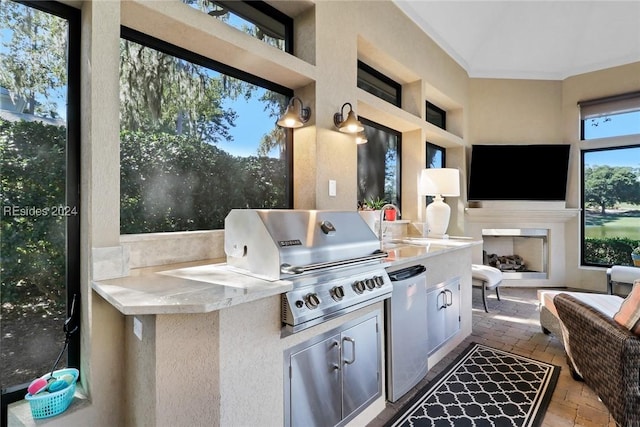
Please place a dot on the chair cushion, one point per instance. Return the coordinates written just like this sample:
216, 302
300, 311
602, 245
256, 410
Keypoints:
629, 313
606, 304
624, 274
488, 274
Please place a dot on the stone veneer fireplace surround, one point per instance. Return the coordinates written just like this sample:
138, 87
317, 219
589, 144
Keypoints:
548, 216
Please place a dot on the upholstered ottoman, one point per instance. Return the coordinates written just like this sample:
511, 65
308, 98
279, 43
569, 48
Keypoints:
549, 320
487, 278
621, 275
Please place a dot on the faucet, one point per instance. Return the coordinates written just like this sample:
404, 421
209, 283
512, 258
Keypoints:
384, 208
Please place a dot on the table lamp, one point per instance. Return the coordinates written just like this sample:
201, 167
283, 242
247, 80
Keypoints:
439, 182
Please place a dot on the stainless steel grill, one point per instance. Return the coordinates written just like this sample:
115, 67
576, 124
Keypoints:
332, 258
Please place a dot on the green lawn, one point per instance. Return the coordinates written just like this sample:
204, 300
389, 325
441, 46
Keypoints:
620, 223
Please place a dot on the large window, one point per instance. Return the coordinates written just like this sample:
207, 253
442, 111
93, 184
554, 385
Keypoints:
379, 165
610, 180
198, 139
39, 159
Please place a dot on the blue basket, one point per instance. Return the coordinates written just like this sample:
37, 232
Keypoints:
50, 404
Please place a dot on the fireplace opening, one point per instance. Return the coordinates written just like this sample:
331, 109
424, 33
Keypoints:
520, 253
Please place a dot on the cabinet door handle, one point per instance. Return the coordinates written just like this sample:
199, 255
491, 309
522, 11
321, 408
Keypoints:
336, 366
444, 300
353, 345
450, 301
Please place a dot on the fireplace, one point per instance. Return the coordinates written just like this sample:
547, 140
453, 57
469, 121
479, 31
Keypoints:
548, 216
520, 253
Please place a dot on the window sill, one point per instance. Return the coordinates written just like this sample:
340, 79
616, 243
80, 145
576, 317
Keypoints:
19, 413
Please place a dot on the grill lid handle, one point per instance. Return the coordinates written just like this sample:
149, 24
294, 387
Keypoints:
297, 269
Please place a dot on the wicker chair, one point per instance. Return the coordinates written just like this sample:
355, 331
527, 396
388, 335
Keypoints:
605, 355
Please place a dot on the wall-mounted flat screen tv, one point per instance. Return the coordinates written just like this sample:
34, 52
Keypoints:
518, 172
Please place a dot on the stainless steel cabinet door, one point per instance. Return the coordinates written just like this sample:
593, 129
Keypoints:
407, 342
316, 390
361, 365
443, 312
436, 306
452, 313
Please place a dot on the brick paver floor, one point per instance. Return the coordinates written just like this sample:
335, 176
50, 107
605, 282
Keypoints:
513, 325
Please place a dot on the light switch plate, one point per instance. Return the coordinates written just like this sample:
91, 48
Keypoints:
332, 187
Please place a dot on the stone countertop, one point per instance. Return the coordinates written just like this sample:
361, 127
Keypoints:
202, 287
410, 248
182, 290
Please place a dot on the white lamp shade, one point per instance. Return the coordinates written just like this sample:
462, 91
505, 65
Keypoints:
439, 182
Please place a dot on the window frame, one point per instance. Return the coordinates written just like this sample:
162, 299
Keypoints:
436, 110
594, 108
381, 78
269, 11
187, 55
443, 164
398, 135
442, 150
610, 105
72, 15
583, 210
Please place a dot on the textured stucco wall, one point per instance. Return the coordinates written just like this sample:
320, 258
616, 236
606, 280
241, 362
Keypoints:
323, 75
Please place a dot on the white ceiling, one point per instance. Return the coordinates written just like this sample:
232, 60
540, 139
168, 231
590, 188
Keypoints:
547, 40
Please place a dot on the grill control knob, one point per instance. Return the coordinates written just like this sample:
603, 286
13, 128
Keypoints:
379, 281
312, 300
337, 293
358, 286
370, 284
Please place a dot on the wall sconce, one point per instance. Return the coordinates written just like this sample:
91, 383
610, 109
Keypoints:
351, 124
439, 182
361, 138
293, 118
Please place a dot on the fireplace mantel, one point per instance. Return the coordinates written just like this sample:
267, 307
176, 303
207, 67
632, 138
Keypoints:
520, 215
551, 216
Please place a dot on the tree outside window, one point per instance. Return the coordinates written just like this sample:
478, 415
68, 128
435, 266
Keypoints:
39, 140
611, 205
195, 142
379, 165
610, 179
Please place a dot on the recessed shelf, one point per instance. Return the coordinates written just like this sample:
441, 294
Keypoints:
382, 112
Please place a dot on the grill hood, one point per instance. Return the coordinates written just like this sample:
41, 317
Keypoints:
276, 244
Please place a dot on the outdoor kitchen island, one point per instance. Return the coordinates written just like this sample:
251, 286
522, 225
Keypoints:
204, 344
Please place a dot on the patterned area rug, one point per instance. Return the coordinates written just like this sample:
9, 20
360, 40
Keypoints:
483, 387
